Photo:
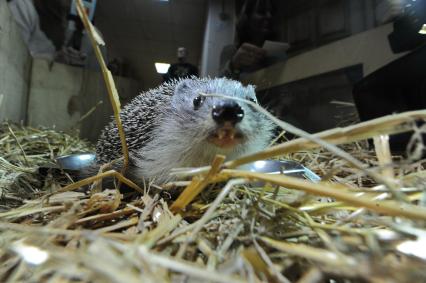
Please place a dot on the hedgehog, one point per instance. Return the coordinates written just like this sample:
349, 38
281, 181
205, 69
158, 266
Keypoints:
174, 126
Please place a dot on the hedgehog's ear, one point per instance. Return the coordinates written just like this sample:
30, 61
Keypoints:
182, 86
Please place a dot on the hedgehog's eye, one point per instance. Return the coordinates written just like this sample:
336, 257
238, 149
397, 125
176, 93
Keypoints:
198, 101
251, 99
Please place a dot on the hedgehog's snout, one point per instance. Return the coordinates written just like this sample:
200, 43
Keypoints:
227, 111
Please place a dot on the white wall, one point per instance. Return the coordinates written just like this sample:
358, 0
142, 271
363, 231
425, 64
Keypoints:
15, 64
369, 48
218, 34
51, 89
40, 93
60, 95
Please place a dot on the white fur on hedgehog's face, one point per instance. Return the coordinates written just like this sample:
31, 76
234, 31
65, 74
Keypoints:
198, 116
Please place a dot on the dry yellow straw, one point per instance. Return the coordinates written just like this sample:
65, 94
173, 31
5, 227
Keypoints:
384, 156
196, 186
96, 40
339, 192
386, 125
391, 124
110, 173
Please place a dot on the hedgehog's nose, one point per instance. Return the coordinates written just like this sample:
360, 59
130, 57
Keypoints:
227, 111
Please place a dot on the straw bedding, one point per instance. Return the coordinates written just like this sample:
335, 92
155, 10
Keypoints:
364, 222
236, 233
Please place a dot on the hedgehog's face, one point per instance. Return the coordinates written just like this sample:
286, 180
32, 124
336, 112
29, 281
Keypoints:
225, 124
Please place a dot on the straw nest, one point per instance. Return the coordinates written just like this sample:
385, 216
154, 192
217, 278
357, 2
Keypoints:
367, 226
364, 222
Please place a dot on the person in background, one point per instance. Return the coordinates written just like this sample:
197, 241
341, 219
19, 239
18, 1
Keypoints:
57, 22
53, 17
409, 19
181, 69
254, 26
44, 24
74, 50
28, 21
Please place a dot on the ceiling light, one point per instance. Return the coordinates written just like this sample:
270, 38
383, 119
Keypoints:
162, 68
423, 29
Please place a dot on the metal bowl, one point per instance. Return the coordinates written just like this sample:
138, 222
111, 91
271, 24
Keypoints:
76, 161
286, 167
